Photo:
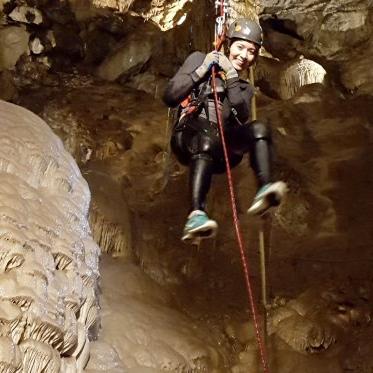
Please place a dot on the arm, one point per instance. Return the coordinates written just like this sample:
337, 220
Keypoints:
191, 74
180, 86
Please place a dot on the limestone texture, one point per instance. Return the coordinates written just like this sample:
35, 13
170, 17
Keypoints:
49, 262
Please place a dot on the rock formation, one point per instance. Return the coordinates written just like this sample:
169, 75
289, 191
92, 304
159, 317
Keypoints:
49, 262
315, 89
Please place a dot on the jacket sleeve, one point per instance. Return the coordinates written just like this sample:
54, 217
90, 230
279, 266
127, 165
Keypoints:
180, 86
240, 99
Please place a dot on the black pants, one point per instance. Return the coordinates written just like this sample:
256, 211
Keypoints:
197, 144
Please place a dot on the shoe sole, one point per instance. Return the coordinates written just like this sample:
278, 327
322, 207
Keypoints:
263, 207
205, 231
271, 199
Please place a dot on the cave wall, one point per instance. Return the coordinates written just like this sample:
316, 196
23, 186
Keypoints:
314, 88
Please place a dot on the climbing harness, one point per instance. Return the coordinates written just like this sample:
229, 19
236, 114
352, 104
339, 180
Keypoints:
222, 11
197, 101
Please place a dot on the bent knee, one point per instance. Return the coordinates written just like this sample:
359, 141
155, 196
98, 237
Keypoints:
204, 144
260, 130
179, 148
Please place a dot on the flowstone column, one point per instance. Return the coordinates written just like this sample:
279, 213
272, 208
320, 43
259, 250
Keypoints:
48, 260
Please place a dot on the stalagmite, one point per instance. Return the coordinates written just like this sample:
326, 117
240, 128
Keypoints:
48, 262
319, 318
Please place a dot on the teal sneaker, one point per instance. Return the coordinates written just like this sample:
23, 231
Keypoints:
268, 195
198, 226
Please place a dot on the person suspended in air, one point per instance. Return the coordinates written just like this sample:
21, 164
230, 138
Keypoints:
195, 140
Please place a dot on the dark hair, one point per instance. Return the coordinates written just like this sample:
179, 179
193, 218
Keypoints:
231, 41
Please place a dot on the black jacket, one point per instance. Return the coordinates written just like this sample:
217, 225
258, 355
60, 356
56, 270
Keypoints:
238, 92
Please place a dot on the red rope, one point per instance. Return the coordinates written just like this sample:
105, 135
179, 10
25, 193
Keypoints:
263, 353
259, 339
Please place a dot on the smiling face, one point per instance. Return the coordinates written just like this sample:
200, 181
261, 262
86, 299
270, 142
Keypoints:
242, 54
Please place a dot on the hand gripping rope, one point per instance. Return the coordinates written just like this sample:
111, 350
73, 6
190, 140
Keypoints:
222, 9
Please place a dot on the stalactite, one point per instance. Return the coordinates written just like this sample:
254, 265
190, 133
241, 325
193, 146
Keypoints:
299, 74
112, 238
285, 79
